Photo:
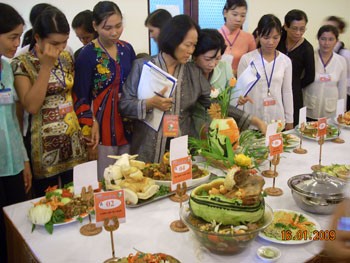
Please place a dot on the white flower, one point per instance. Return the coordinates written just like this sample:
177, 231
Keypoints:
214, 93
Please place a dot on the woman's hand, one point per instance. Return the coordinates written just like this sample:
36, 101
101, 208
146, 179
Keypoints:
27, 176
48, 55
289, 126
94, 139
259, 123
243, 100
161, 103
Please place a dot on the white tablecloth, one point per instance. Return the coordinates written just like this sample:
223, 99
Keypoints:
147, 227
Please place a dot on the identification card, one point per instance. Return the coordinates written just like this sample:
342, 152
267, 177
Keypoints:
325, 77
65, 108
227, 58
6, 96
170, 125
269, 101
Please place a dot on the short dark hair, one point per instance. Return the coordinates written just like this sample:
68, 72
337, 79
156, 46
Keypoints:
294, 15
158, 18
341, 23
174, 32
9, 18
267, 23
209, 39
50, 21
328, 28
103, 10
232, 4
83, 20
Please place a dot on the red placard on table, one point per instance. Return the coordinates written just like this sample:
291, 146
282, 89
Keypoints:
181, 170
109, 204
275, 144
321, 127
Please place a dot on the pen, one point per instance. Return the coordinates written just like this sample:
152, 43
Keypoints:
162, 96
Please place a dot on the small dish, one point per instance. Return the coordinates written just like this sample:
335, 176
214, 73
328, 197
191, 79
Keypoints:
268, 253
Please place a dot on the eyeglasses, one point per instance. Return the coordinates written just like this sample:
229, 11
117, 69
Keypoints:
296, 29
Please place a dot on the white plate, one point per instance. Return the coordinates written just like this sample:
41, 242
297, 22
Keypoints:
192, 182
291, 242
335, 121
74, 219
327, 138
293, 140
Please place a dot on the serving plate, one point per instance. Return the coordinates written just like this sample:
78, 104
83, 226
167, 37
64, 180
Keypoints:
332, 134
192, 182
294, 239
342, 125
68, 221
290, 141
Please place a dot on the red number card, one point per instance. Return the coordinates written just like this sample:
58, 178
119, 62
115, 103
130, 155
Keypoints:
321, 127
109, 204
181, 170
276, 144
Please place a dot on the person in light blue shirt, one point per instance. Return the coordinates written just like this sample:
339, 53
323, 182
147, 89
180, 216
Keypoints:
15, 175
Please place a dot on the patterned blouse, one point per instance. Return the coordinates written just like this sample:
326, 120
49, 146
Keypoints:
97, 87
57, 144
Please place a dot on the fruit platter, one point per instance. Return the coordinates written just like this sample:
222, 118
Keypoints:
60, 207
310, 131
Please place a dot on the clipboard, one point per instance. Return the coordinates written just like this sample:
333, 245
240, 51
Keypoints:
154, 79
248, 79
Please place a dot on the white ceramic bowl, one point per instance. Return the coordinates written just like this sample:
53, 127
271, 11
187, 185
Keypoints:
268, 253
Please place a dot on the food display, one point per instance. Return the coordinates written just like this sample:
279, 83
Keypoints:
127, 174
310, 131
290, 227
227, 213
60, 206
341, 171
141, 257
344, 120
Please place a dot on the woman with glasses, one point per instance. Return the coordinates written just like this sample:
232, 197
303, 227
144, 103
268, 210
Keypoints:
321, 96
301, 52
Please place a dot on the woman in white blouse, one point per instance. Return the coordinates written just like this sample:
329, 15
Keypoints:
271, 98
321, 96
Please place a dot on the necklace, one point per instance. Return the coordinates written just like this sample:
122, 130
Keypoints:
292, 47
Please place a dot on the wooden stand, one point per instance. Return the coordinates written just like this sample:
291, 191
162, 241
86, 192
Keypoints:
178, 225
274, 191
317, 167
269, 173
338, 139
89, 229
180, 194
111, 225
300, 150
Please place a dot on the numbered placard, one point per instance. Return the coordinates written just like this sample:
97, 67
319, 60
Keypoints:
321, 127
275, 144
181, 170
108, 205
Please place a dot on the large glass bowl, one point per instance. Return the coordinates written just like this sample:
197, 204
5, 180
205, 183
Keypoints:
223, 243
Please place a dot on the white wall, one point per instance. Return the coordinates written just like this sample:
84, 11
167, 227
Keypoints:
135, 12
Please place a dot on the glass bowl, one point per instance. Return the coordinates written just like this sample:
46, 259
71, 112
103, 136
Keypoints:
220, 243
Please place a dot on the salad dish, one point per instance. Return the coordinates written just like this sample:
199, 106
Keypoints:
310, 131
341, 171
290, 227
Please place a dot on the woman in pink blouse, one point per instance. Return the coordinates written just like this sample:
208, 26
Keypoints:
238, 42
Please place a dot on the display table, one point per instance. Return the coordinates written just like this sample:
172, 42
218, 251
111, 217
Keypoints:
147, 227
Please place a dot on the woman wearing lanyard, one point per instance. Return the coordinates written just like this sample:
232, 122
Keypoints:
101, 69
271, 97
301, 52
321, 96
237, 41
15, 174
43, 81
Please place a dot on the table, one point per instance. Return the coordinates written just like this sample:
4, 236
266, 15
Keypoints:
147, 227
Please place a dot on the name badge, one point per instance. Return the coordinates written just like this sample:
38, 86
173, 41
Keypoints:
65, 108
6, 96
325, 77
170, 125
227, 58
269, 101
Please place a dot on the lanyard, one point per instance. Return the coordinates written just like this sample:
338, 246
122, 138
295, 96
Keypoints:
234, 40
291, 49
2, 84
324, 64
105, 50
63, 82
273, 68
